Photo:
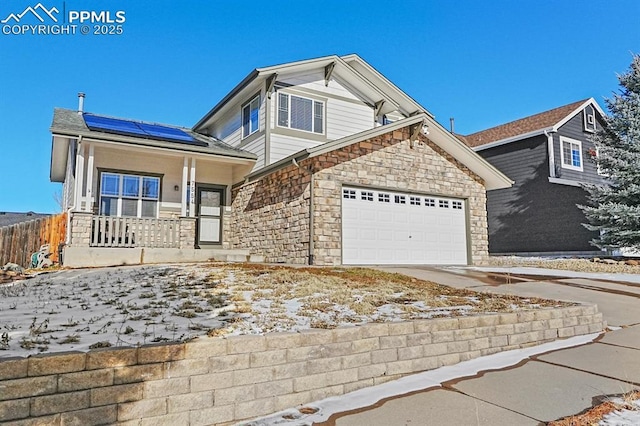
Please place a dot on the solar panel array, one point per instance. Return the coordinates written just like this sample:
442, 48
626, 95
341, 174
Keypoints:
139, 129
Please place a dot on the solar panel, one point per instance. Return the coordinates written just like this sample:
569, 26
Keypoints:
136, 128
165, 132
112, 125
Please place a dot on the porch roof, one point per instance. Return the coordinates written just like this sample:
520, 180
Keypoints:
69, 123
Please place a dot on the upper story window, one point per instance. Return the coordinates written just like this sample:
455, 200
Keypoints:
250, 117
129, 195
300, 113
571, 153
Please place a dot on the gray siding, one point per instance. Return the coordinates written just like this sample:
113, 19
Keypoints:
534, 215
574, 129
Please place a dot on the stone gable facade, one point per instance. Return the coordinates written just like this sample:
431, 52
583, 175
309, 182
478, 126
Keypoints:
271, 215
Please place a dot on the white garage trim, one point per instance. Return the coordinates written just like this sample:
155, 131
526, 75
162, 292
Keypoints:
389, 227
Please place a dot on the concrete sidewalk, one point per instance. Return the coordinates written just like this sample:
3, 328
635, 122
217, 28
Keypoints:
543, 388
540, 389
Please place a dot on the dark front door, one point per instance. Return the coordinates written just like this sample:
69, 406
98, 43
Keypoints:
209, 207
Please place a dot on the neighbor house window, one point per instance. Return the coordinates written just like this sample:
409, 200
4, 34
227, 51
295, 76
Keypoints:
250, 117
300, 113
129, 195
571, 153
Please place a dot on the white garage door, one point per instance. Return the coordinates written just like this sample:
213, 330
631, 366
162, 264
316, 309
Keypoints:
383, 227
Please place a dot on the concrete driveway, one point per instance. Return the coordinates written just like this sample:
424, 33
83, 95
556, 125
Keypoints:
542, 388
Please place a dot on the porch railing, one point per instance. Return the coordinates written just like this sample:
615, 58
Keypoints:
110, 231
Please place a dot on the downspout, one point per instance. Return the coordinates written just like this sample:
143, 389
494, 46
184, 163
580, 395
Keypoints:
311, 208
552, 161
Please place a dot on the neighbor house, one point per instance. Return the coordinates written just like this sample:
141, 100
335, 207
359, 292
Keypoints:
549, 156
322, 161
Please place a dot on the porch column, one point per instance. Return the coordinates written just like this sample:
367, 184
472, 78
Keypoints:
79, 176
185, 176
88, 205
192, 192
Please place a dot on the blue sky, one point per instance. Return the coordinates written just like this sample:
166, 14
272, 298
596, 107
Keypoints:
483, 63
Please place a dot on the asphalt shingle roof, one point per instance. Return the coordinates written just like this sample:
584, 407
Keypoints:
69, 122
522, 126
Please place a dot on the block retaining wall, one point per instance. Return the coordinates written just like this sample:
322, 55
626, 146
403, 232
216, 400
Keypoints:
221, 380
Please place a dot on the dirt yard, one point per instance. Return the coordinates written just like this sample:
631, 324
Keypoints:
129, 306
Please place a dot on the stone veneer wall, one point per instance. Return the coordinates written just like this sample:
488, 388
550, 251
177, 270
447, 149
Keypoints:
220, 380
271, 215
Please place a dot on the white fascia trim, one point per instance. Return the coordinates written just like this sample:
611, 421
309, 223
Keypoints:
493, 178
172, 152
578, 110
567, 182
388, 83
341, 65
513, 139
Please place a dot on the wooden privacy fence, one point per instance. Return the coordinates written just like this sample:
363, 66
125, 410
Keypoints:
18, 242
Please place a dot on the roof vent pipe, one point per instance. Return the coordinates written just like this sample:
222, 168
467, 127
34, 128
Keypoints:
452, 124
80, 103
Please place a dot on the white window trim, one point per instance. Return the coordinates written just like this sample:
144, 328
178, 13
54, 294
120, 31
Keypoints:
120, 197
589, 127
251, 131
564, 139
313, 108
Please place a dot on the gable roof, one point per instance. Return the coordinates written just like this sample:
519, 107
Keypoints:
69, 124
358, 73
533, 125
493, 178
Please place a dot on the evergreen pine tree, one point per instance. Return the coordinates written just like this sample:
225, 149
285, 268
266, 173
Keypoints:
614, 209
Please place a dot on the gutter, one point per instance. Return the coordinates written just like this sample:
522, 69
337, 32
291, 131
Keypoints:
513, 139
104, 138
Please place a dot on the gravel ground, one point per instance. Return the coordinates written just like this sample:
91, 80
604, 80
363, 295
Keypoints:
566, 264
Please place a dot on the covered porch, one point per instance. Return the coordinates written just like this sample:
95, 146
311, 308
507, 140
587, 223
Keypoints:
139, 200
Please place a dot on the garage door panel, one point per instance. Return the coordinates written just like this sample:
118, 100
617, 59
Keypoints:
390, 227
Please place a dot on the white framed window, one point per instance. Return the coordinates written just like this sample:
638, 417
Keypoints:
251, 117
349, 194
366, 195
414, 201
296, 112
384, 198
443, 204
456, 205
123, 194
400, 199
571, 153
429, 202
